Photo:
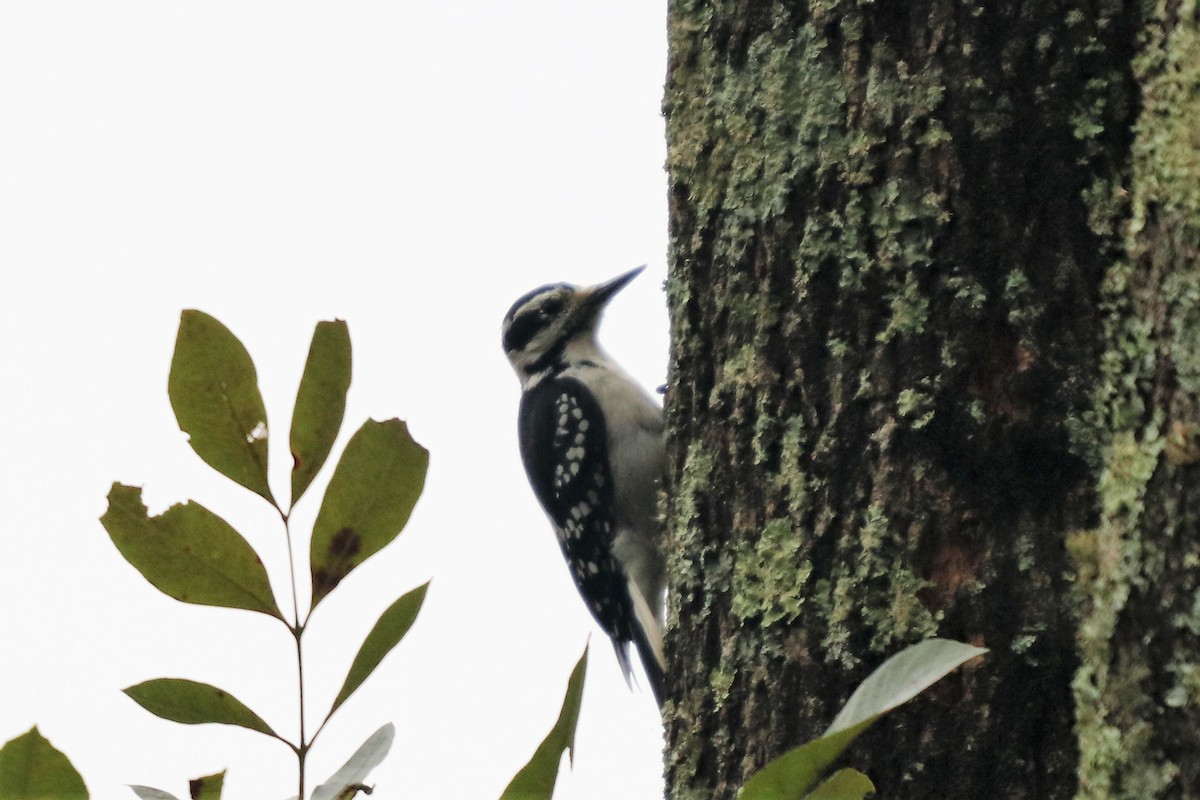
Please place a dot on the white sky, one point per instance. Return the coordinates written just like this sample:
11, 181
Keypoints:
275, 164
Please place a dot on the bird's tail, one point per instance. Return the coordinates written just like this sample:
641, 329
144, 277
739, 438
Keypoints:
648, 639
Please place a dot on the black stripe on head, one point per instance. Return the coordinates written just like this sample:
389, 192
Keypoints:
520, 328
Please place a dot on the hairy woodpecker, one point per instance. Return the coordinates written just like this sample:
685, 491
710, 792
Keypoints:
592, 444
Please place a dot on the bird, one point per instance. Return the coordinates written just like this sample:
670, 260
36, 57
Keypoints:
591, 441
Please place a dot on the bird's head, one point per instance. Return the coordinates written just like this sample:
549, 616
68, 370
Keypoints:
544, 323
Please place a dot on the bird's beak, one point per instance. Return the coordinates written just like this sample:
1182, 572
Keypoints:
595, 297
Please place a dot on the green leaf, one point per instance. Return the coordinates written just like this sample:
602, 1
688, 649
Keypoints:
901, 678
31, 769
347, 781
207, 788
386, 634
797, 771
320, 403
897, 680
189, 553
194, 703
845, 784
214, 391
368, 501
536, 779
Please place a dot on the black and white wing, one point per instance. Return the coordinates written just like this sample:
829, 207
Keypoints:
564, 446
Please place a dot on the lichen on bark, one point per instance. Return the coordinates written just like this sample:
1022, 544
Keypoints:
890, 223
1136, 692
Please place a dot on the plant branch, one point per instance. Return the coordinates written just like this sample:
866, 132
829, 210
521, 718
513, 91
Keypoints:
297, 630
302, 750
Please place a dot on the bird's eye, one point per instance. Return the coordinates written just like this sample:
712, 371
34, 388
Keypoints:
551, 307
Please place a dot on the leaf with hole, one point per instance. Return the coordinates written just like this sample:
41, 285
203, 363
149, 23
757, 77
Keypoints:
194, 703
897, 680
368, 501
189, 553
213, 388
536, 779
393, 624
320, 403
32, 769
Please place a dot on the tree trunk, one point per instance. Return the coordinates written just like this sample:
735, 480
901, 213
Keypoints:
935, 298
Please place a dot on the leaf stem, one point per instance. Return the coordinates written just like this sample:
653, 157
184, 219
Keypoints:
302, 751
287, 532
320, 728
297, 630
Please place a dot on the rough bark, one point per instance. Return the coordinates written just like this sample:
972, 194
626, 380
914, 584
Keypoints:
934, 294
1137, 690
